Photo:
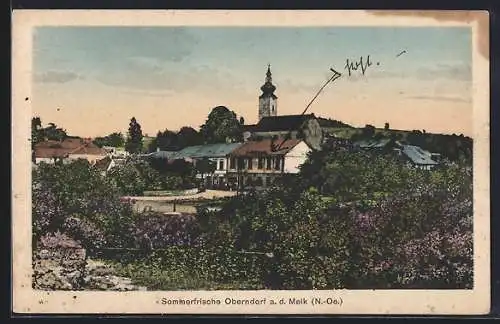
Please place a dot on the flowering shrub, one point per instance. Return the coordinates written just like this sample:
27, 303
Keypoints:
161, 231
75, 199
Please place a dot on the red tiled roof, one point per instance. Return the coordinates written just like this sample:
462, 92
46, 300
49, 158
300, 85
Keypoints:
49, 149
47, 152
266, 147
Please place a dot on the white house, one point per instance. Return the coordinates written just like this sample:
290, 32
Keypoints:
259, 163
67, 150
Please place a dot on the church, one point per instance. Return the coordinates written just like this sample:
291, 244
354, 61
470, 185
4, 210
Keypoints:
271, 125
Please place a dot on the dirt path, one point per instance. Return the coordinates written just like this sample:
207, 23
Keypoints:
209, 194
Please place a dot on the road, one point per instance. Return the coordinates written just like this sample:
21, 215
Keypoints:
209, 194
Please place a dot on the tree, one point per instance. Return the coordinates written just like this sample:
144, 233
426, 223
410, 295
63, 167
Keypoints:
54, 133
221, 126
188, 136
134, 138
113, 139
368, 131
165, 141
205, 166
36, 130
386, 126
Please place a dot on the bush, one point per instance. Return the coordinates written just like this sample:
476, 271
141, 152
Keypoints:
77, 200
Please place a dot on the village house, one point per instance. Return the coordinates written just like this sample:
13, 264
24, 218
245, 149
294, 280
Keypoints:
414, 156
71, 148
216, 153
108, 163
419, 158
260, 163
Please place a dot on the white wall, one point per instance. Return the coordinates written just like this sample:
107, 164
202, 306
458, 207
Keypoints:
45, 160
296, 157
89, 157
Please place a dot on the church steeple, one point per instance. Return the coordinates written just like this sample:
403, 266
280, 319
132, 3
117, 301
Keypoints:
268, 87
268, 100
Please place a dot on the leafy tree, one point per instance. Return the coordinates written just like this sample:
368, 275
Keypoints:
368, 131
188, 136
114, 139
165, 141
134, 138
221, 126
74, 198
128, 179
36, 131
52, 132
205, 166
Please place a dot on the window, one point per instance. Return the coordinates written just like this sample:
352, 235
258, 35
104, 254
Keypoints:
250, 163
221, 164
268, 164
277, 164
241, 163
232, 163
261, 163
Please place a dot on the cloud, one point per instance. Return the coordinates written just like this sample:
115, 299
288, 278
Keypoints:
157, 78
440, 98
56, 77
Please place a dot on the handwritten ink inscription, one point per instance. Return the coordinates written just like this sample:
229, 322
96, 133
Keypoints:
359, 65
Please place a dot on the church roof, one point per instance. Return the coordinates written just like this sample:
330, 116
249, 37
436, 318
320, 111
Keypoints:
279, 123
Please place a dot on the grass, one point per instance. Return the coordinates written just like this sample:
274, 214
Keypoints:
175, 278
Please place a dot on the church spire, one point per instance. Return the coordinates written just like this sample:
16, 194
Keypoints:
268, 87
269, 74
268, 100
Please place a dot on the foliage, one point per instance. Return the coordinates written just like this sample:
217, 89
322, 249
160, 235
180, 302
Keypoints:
162, 231
134, 137
114, 139
188, 136
77, 200
51, 132
332, 123
221, 125
171, 141
205, 166
368, 131
128, 179
164, 141
350, 219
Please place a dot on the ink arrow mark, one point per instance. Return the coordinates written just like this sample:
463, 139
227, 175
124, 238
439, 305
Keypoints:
335, 73
334, 77
403, 52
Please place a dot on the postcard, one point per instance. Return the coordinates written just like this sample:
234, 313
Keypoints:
250, 162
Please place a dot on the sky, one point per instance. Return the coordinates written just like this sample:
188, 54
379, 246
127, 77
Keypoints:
92, 80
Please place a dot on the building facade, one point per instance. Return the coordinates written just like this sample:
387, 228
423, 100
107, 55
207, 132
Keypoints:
67, 150
218, 154
260, 163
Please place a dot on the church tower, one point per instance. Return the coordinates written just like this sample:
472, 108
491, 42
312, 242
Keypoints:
268, 102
